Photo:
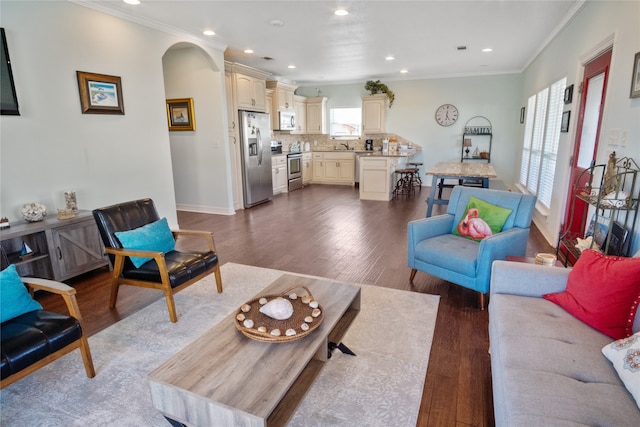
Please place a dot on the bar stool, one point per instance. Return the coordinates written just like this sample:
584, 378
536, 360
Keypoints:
417, 181
404, 185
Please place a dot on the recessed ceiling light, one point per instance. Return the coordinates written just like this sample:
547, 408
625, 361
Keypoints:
276, 23
209, 33
341, 12
389, 58
248, 51
132, 1
404, 71
291, 66
487, 49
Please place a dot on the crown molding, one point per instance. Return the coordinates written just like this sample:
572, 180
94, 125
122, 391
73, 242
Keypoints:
146, 22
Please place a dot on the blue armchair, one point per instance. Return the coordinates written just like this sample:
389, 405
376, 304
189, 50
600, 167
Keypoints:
433, 249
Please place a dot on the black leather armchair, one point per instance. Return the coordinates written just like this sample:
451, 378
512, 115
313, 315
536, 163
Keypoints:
32, 340
169, 272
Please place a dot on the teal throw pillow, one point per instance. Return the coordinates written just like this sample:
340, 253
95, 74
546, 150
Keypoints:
14, 296
156, 236
481, 219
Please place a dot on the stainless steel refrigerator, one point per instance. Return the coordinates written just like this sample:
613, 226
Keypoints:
255, 137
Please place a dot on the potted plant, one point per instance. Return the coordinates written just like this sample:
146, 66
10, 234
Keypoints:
377, 87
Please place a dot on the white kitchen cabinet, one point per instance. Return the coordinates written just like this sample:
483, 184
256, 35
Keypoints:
279, 174
250, 93
377, 177
333, 168
317, 115
300, 109
282, 95
307, 168
273, 118
374, 113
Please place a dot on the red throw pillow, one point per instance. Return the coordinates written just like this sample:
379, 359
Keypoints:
602, 291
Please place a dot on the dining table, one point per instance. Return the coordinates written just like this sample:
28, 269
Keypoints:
479, 172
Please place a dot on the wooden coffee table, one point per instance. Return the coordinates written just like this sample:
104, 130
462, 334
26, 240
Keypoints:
225, 378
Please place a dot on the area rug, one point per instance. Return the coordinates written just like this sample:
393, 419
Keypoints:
381, 386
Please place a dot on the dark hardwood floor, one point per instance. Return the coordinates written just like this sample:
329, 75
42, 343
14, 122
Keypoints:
327, 231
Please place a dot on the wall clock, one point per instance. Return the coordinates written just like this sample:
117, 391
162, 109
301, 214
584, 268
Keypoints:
446, 115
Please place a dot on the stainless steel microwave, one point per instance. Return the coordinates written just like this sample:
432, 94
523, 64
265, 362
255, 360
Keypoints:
287, 120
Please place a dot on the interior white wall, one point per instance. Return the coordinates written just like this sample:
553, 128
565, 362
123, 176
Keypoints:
412, 115
52, 147
200, 158
596, 23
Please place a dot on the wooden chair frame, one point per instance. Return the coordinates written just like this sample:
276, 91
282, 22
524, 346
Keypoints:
69, 295
120, 255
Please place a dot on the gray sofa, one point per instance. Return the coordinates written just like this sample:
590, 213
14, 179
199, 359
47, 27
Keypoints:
547, 366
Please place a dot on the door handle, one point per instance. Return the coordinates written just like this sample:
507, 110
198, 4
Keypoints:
59, 252
259, 136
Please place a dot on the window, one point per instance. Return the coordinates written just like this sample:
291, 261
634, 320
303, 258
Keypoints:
540, 144
345, 122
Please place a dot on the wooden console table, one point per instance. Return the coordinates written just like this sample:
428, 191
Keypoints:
61, 248
457, 170
225, 378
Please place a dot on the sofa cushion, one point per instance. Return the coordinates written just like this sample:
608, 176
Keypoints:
449, 252
602, 291
624, 354
155, 236
14, 296
548, 369
481, 219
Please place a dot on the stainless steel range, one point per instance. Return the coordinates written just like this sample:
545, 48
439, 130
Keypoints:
294, 170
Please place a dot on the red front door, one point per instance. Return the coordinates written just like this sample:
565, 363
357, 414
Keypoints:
594, 86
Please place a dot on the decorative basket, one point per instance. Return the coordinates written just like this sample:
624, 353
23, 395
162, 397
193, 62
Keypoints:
484, 154
301, 311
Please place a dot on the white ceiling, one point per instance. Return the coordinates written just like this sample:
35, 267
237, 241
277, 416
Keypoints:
422, 35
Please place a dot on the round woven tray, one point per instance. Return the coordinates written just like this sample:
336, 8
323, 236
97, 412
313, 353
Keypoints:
301, 310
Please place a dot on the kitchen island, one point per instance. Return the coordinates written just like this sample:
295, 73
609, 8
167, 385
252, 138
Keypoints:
376, 171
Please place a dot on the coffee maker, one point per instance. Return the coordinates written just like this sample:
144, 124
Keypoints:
368, 144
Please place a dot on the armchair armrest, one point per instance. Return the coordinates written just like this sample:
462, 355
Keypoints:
67, 292
207, 235
497, 247
530, 280
426, 228
122, 252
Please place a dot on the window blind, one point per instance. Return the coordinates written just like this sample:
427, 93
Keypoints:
540, 141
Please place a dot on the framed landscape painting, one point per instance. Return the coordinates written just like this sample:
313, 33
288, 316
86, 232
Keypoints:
180, 114
100, 93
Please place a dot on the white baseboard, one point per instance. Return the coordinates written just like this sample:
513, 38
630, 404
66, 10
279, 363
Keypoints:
205, 209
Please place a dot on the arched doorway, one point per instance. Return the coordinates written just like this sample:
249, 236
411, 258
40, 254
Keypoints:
200, 158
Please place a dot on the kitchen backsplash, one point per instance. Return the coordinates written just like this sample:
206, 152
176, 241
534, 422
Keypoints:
324, 142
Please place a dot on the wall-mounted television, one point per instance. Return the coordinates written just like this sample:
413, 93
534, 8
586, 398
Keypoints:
8, 98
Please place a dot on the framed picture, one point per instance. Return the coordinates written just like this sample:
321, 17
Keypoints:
180, 114
7, 88
564, 127
100, 94
635, 78
599, 229
568, 94
522, 115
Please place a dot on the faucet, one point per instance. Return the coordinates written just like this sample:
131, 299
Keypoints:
346, 145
